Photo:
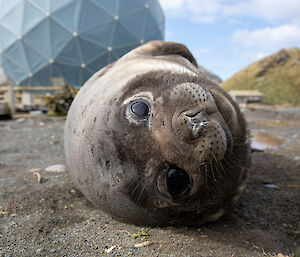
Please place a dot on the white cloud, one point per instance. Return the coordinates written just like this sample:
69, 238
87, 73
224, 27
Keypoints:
208, 11
171, 4
268, 39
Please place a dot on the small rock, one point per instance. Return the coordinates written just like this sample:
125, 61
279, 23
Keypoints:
144, 244
296, 158
20, 120
56, 168
35, 112
271, 186
110, 249
35, 170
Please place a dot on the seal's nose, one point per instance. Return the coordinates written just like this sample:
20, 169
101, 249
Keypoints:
196, 123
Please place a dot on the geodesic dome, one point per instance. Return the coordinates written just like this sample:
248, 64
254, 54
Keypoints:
51, 42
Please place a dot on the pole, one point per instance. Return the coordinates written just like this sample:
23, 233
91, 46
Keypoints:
11, 99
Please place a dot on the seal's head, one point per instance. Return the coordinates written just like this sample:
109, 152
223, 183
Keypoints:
152, 141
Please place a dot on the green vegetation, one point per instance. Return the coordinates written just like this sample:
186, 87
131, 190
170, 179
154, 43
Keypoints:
276, 76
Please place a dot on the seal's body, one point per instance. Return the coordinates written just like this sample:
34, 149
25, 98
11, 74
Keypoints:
152, 141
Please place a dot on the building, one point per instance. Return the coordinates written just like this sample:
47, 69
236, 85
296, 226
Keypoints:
53, 43
246, 96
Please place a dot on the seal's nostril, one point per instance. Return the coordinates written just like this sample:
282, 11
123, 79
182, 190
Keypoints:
196, 117
192, 114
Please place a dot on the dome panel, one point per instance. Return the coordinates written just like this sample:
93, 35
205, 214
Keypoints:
156, 11
98, 63
16, 53
59, 38
57, 4
110, 6
34, 59
43, 76
129, 21
122, 36
92, 15
13, 71
89, 50
31, 17
70, 54
68, 15
85, 75
43, 5
6, 39
8, 20
130, 6
101, 35
39, 38
7, 6
70, 73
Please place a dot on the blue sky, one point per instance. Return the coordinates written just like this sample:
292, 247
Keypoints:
227, 35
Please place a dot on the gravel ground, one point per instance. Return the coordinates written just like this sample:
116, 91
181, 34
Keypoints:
43, 214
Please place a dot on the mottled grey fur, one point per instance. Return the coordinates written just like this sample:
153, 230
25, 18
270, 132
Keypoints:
120, 165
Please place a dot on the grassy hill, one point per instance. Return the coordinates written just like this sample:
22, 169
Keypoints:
276, 76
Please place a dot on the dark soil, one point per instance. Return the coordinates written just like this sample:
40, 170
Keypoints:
53, 218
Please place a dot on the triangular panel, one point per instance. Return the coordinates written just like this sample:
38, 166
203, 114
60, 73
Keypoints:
156, 34
39, 38
98, 63
6, 38
68, 15
130, 6
101, 35
7, 6
56, 4
69, 55
43, 5
13, 71
89, 50
151, 26
12, 19
156, 11
70, 73
43, 77
59, 38
131, 24
26, 82
110, 6
31, 17
35, 60
16, 53
92, 15
122, 36
85, 75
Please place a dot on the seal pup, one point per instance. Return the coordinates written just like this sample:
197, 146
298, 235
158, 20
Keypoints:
150, 140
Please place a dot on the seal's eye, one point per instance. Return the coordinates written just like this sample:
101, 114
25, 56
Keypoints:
140, 110
177, 181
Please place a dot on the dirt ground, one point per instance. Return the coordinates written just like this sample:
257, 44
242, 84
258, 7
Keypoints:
52, 218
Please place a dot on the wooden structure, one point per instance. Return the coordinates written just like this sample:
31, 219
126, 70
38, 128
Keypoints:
246, 96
